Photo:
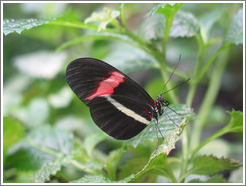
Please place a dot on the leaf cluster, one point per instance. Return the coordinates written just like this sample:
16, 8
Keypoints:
48, 135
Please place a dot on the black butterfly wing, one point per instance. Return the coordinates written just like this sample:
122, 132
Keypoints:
84, 76
118, 105
117, 120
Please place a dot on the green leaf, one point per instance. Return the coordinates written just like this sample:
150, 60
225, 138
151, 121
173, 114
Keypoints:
50, 169
112, 162
208, 165
49, 64
13, 131
158, 162
152, 28
43, 145
214, 179
235, 34
100, 179
158, 159
97, 36
236, 122
11, 25
105, 17
128, 58
165, 124
169, 10
64, 21
184, 25
207, 21
155, 163
235, 125
93, 179
35, 114
132, 166
159, 6
91, 141
93, 166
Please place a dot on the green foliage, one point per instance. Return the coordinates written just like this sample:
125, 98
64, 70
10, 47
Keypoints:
213, 179
235, 34
165, 124
184, 25
167, 9
53, 139
236, 122
43, 145
50, 168
208, 165
104, 17
158, 159
11, 25
235, 125
207, 21
93, 179
10, 137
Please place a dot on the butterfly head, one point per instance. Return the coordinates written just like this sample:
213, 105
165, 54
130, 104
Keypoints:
162, 101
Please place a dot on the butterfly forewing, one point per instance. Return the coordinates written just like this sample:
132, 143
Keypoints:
118, 105
85, 75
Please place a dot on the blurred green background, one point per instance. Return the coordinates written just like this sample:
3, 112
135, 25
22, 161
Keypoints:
35, 91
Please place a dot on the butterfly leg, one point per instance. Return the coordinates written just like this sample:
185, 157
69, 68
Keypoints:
176, 112
164, 110
157, 127
157, 130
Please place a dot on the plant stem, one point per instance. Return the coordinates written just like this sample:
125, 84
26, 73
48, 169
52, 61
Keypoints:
169, 171
162, 62
211, 60
193, 82
212, 137
209, 99
157, 55
122, 15
82, 167
185, 152
166, 36
77, 24
189, 99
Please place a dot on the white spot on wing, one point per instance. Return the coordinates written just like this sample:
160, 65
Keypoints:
126, 111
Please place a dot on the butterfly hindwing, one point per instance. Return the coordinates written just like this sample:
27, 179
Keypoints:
116, 119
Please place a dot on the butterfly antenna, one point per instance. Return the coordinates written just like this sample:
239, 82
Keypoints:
177, 85
171, 74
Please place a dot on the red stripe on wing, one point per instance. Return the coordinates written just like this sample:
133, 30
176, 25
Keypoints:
107, 86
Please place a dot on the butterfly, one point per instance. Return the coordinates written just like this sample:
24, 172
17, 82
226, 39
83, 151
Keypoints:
118, 105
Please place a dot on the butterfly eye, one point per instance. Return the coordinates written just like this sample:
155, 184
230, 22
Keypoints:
165, 103
160, 98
